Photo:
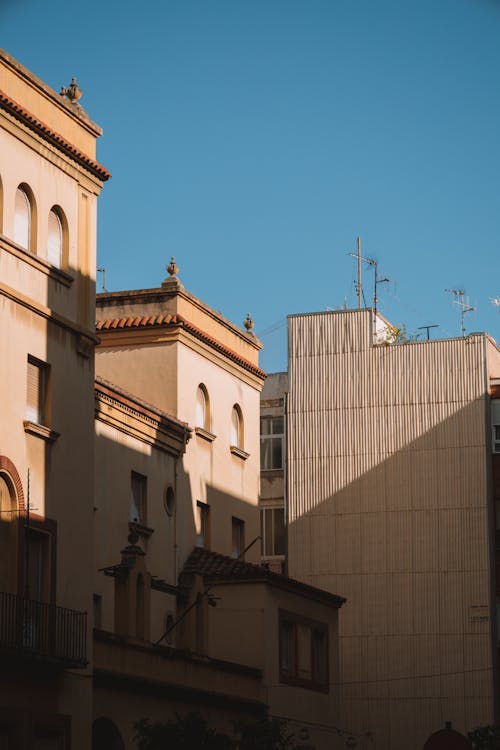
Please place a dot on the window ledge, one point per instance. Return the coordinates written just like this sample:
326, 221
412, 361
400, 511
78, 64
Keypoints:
239, 452
205, 434
140, 529
39, 430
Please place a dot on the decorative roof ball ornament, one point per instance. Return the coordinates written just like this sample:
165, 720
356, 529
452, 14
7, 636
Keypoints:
248, 323
172, 268
172, 282
72, 92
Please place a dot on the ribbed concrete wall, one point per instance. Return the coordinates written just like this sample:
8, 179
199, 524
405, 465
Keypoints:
387, 478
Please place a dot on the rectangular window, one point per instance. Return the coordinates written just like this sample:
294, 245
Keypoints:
238, 537
303, 652
138, 487
271, 443
272, 531
36, 391
202, 525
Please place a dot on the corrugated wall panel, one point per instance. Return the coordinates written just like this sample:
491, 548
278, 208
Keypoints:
387, 506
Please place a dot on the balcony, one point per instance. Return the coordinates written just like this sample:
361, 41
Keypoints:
43, 632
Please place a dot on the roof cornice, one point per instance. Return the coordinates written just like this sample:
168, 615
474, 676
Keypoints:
169, 321
27, 119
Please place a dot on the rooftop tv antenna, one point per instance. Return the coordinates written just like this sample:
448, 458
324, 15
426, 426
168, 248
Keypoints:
428, 328
462, 304
103, 271
377, 280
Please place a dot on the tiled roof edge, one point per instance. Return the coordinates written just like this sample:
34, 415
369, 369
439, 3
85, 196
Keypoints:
49, 135
168, 319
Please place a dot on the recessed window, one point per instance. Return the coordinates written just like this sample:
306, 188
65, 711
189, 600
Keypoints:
36, 391
138, 487
238, 537
236, 427
271, 443
54, 239
303, 652
202, 418
169, 501
495, 424
22, 219
202, 522
272, 525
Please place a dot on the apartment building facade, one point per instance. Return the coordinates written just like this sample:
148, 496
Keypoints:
49, 186
391, 504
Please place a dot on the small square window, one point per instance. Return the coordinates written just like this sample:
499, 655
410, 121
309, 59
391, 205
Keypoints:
138, 488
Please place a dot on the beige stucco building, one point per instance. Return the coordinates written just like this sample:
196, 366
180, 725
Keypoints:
49, 185
196, 518
390, 504
129, 578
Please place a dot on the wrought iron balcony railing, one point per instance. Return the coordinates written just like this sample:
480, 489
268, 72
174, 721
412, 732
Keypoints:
43, 631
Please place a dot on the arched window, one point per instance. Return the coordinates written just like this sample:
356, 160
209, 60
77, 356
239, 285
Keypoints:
236, 427
54, 239
202, 408
22, 218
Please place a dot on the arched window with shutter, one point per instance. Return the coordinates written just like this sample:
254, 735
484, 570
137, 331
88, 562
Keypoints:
202, 408
236, 427
54, 239
22, 219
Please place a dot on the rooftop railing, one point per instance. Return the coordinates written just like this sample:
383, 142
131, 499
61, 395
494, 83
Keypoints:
42, 631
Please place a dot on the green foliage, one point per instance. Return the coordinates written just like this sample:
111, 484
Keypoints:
269, 734
192, 731
182, 733
485, 738
399, 335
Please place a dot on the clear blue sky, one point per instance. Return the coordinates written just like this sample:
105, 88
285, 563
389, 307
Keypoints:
255, 139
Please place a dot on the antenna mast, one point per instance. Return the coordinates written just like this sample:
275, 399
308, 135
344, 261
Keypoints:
462, 304
359, 273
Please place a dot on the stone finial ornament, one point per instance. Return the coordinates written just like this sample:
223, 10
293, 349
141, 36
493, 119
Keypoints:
72, 92
248, 323
172, 267
172, 282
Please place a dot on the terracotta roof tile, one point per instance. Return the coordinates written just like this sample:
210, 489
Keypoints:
217, 568
24, 116
177, 320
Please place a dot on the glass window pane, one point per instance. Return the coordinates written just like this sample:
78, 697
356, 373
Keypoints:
278, 425
265, 425
279, 531
54, 240
22, 219
235, 428
277, 459
201, 408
